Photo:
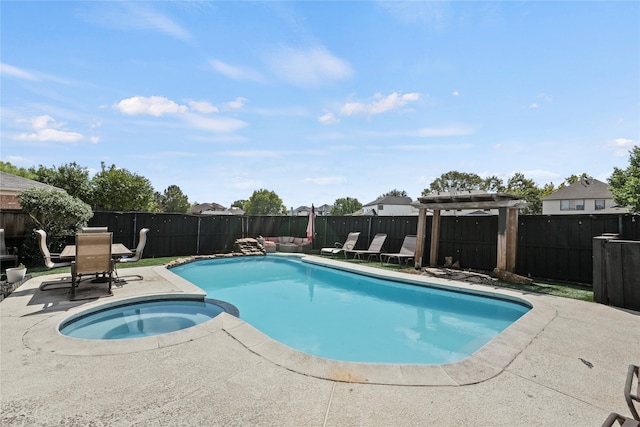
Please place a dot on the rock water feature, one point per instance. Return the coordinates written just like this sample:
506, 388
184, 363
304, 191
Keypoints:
242, 247
249, 246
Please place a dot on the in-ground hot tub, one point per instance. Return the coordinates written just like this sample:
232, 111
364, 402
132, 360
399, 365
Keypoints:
143, 318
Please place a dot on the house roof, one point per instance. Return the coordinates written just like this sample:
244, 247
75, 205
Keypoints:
391, 200
9, 182
206, 207
585, 188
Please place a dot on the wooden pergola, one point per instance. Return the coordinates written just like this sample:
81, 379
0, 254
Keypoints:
507, 205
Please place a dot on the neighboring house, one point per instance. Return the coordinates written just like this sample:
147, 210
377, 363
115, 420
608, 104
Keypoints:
587, 196
389, 206
207, 209
323, 210
301, 211
11, 185
318, 210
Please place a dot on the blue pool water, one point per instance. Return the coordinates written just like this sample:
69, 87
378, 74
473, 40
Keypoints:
351, 317
140, 319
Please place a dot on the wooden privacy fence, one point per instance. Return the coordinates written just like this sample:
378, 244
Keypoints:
557, 247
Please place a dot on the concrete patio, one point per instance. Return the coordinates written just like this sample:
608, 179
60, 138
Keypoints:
563, 365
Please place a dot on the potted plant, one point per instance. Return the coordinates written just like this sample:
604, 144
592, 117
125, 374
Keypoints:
16, 274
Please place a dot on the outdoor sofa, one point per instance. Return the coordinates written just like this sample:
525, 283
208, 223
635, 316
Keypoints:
289, 243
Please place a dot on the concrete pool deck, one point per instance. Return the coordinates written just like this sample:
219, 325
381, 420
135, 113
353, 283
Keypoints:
564, 364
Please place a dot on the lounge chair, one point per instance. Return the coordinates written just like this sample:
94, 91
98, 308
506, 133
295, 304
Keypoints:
374, 248
5, 253
349, 244
407, 251
93, 256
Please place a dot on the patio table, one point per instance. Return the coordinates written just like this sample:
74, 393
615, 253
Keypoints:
117, 250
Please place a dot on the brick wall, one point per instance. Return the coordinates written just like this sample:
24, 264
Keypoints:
9, 201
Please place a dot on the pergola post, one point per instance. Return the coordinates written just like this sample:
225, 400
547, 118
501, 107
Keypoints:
507, 239
435, 238
420, 235
507, 204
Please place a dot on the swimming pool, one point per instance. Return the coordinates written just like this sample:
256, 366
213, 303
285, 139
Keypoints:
344, 316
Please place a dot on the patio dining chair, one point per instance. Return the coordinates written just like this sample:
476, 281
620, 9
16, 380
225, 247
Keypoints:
7, 254
93, 256
95, 229
51, 260
632, 390
137, 253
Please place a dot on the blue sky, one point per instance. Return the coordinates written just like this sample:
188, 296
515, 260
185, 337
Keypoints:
321, 100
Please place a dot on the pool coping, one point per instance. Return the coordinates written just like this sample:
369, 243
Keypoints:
486, 363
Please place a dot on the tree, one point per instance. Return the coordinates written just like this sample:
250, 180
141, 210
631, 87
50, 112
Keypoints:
345, 206
71, 177
493, 184
575, 178
455, 181
119, 189
14, 170
174, 200
394, 193
265, 202
528, 190
56, 212
625, 183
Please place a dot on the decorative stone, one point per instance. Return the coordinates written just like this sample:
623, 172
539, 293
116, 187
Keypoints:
512, 277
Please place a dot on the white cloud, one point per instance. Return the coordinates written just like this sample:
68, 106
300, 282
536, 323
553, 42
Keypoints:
434, 15
154, 106
254, 153
423, 132
46, 129
534, 105
312, 67
215, 124
456, 93
328, 119
132, 16
545, 97
327, 180
18, 160
41, 122
621, 146
380, 104
203, 107
245, 183
236, 104
51, 135
236, 73
12, 71
150, 19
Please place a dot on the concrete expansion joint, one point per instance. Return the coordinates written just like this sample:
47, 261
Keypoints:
557, 390
326, 415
